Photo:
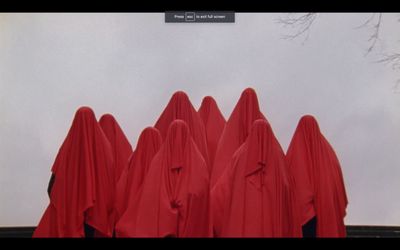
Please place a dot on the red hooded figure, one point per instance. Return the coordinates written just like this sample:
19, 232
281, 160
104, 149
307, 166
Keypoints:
120, 145
236, 130
318, 179
180, 107
128, 187
253, 197
82, 189
214, 123
174, 200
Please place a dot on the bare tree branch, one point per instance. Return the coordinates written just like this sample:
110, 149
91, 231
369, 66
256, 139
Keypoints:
375, 35
365, 24
376, 25
393, 59
302, 23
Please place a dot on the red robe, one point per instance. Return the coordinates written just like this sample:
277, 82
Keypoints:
174, 200
128, 187
121, 148
236, 130
214, 123
318, 179
83, 188
180, 107
253, 197
120, 145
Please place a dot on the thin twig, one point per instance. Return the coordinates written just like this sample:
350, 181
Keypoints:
393, 59
365, 24
302, 23
375, 35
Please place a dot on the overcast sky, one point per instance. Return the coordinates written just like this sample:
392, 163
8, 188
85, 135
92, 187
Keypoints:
130, 64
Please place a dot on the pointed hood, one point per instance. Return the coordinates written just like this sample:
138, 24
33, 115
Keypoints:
134, 174
83, 188
120, 145
214, 123
180, 107
174, 199
252, 198
318, 178
236, 129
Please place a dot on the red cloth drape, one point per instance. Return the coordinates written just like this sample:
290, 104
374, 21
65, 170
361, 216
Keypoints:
180, 107
174, 200
128, 187
120, 145
318, 179
236, 130
84, 183
253, 196
214, 123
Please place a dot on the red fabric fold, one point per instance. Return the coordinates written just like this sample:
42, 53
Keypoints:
180, 107
174, 199
214, 123
235, 131
120, 145
253, 197
129, 185
83, 188
318, 179
122, 151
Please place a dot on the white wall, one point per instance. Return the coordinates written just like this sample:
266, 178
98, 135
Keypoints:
130, 64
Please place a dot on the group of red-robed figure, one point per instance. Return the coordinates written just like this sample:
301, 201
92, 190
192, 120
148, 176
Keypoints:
195, 175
